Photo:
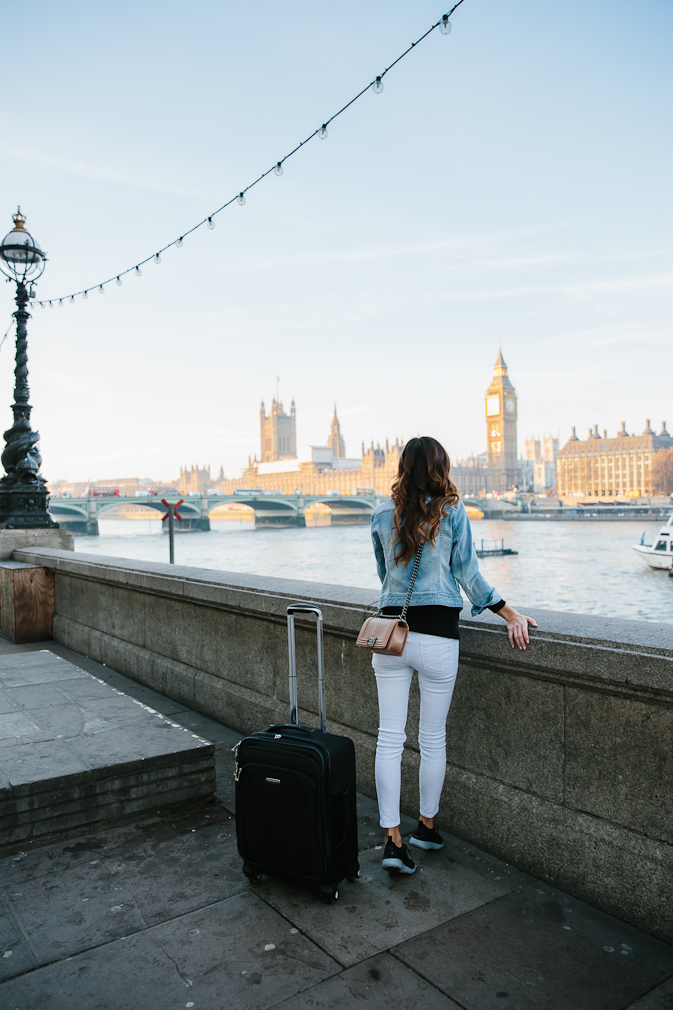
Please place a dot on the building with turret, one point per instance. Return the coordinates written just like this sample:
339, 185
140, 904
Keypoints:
602, 467
278, 432
317, 469
314, 469
495, 470
194, 478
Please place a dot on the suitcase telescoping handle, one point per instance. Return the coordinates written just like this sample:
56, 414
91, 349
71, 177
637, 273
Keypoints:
305, 608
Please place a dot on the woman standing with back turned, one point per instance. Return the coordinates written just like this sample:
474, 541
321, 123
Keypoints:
425, 509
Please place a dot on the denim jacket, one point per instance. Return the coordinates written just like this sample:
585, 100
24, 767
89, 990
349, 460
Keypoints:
451, 562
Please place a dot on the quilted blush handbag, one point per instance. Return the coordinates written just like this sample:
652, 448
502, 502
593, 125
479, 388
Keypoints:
387, 634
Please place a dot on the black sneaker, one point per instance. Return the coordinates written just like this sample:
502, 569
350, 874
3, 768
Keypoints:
397, 860
426, 838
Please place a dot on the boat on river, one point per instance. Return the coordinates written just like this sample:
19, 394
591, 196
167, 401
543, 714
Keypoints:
658, 554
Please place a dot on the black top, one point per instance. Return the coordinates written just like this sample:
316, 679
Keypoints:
435, 619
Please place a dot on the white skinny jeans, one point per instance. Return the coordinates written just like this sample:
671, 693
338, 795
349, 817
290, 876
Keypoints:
436, 660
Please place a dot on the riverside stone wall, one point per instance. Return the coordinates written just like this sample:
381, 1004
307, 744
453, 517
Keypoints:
559, 758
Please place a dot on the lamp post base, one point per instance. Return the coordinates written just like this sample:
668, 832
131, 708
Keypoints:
25, 508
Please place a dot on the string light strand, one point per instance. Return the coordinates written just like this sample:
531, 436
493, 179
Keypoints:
277, 169
7, 332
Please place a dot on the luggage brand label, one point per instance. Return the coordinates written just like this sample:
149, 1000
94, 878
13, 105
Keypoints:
274, 782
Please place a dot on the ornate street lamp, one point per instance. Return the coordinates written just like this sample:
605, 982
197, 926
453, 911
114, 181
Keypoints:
23, 494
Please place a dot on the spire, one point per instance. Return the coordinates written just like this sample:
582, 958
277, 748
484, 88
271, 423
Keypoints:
500, 368
335, 439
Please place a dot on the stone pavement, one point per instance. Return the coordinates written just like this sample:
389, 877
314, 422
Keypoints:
156, 914
76, 752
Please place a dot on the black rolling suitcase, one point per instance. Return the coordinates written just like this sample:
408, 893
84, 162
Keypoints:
296, 814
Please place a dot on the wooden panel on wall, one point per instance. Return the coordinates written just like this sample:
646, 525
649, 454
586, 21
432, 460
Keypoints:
26, 602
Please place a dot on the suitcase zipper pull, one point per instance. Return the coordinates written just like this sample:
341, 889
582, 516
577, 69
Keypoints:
237, 770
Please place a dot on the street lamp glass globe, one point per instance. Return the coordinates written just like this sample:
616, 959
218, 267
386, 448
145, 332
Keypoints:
20, 255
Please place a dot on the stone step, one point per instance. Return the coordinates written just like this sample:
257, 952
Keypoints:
75, 752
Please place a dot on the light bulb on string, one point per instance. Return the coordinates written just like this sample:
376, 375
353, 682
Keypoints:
72, 298
377, 86
119, 282
60, 302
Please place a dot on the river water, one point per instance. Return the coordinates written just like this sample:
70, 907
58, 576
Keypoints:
587, 568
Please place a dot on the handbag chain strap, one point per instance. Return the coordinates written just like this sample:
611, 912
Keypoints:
414, 573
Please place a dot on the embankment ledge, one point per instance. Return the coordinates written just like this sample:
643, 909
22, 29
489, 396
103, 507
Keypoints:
559, 758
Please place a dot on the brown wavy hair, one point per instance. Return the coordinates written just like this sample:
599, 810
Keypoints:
423, 470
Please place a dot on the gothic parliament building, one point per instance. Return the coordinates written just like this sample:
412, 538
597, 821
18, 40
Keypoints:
315, 469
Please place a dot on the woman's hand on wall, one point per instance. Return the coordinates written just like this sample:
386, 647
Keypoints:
517, 626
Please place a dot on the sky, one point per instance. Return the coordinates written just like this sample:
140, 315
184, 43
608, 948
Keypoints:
511, 184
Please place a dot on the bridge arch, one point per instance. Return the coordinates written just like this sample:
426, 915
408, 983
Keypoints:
105, 504
58, 507
357, 502
258, 504
267, 510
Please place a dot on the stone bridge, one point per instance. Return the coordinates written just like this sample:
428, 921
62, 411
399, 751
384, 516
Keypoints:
81, 515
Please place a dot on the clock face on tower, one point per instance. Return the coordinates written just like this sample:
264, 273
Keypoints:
509, 406
492, 405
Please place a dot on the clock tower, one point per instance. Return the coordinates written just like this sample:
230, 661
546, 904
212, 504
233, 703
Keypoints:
501, 430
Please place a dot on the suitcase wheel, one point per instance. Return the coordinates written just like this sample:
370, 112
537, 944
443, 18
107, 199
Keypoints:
253, 876
328, 897
352, 877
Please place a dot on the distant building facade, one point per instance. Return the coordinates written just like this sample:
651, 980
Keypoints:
602, 467
538, 466
471, 476
194, 479
315, 469
80, 489
278, 432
